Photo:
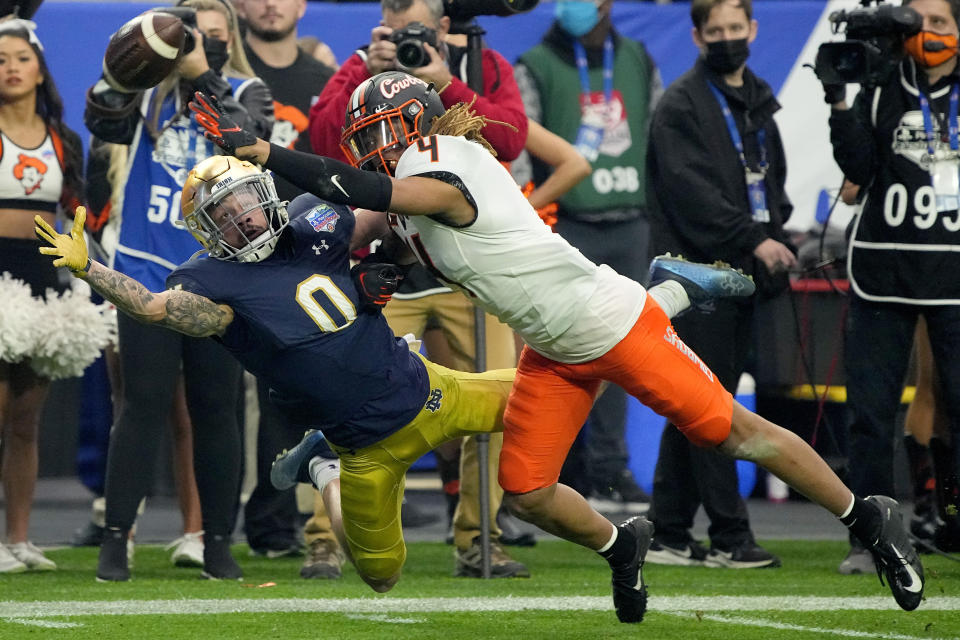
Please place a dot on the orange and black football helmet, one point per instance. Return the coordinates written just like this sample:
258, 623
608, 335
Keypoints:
388, 111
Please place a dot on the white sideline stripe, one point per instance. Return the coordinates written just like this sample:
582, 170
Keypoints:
380, 617
783, 626
379, 605
46, 624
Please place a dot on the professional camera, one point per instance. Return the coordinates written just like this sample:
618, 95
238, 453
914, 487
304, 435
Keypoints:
873, 47
410, 41
463, 10
188, 16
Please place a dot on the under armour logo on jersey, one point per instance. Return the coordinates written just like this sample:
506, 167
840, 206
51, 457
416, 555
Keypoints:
434, 401
323, 247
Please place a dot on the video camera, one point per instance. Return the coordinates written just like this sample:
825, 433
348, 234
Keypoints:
873, 47
410, 39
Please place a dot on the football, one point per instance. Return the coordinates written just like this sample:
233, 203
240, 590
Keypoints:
143, 52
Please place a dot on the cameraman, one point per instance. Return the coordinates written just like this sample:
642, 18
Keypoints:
900, 140
421, 298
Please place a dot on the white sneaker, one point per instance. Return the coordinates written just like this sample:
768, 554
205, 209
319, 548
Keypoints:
187, 550
29, 555
9, 563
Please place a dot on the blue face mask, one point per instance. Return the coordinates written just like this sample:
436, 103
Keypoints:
576, 17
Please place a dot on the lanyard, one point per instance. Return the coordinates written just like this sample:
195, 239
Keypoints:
951, 125
735, 134
581, 56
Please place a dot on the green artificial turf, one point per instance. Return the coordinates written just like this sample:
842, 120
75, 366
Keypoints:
559, 569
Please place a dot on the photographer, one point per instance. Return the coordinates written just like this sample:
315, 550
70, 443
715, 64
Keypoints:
421, 298
500, 100
900, 140
161, 144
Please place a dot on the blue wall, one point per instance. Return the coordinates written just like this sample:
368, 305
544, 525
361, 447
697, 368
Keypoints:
76, 33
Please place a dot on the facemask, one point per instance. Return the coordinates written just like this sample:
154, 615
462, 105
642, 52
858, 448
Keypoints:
726, 56
931, 49
576, 17
216, 52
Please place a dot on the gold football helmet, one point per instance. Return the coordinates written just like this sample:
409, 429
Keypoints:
221, 204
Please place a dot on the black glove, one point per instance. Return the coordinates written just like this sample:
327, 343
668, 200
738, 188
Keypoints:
376, 283
218, 126
834, 93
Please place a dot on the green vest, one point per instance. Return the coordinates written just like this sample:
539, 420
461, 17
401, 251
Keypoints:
617, 182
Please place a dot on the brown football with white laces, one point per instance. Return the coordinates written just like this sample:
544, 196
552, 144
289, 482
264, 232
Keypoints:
144, 51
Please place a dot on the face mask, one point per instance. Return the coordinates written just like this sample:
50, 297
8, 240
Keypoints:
576, 18
216, 52
726, 56
931, 49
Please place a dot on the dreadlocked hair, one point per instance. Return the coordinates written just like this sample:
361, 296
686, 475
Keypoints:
461, 120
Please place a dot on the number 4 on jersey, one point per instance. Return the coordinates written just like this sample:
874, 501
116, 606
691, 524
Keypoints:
428, 144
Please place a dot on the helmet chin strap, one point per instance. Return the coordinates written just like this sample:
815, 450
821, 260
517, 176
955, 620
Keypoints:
260, 247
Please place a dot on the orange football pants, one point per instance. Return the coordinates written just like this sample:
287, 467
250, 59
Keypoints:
551, 400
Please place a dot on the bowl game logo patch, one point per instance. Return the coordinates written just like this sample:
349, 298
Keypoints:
323, 218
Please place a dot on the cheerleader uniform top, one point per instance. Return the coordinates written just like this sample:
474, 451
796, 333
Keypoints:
31, 179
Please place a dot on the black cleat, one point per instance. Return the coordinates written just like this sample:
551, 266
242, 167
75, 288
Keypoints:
112, 564
629, 590
895, 557
218, 562
292, 466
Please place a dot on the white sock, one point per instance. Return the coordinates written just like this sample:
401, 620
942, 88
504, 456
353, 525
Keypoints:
322, 471
613, 538
671, 296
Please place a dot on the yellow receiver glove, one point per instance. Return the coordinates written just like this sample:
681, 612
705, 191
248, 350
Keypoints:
72, 248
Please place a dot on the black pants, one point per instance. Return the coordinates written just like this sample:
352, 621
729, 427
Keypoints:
879, 337
270, 517
603, 448
150, 363
686, 475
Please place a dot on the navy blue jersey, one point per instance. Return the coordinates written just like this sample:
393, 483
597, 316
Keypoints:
296, 327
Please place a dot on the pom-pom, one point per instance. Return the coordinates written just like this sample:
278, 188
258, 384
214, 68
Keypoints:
75, 331
20, 319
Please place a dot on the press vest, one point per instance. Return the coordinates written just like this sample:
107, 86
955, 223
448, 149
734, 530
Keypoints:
901, 248
617, 181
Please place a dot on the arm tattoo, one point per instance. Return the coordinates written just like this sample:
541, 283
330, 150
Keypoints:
185, 312
195, 315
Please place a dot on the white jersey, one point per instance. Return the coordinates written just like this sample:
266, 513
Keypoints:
509, 262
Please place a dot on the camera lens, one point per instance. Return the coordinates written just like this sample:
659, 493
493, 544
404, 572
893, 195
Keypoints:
851, 65
410, 53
